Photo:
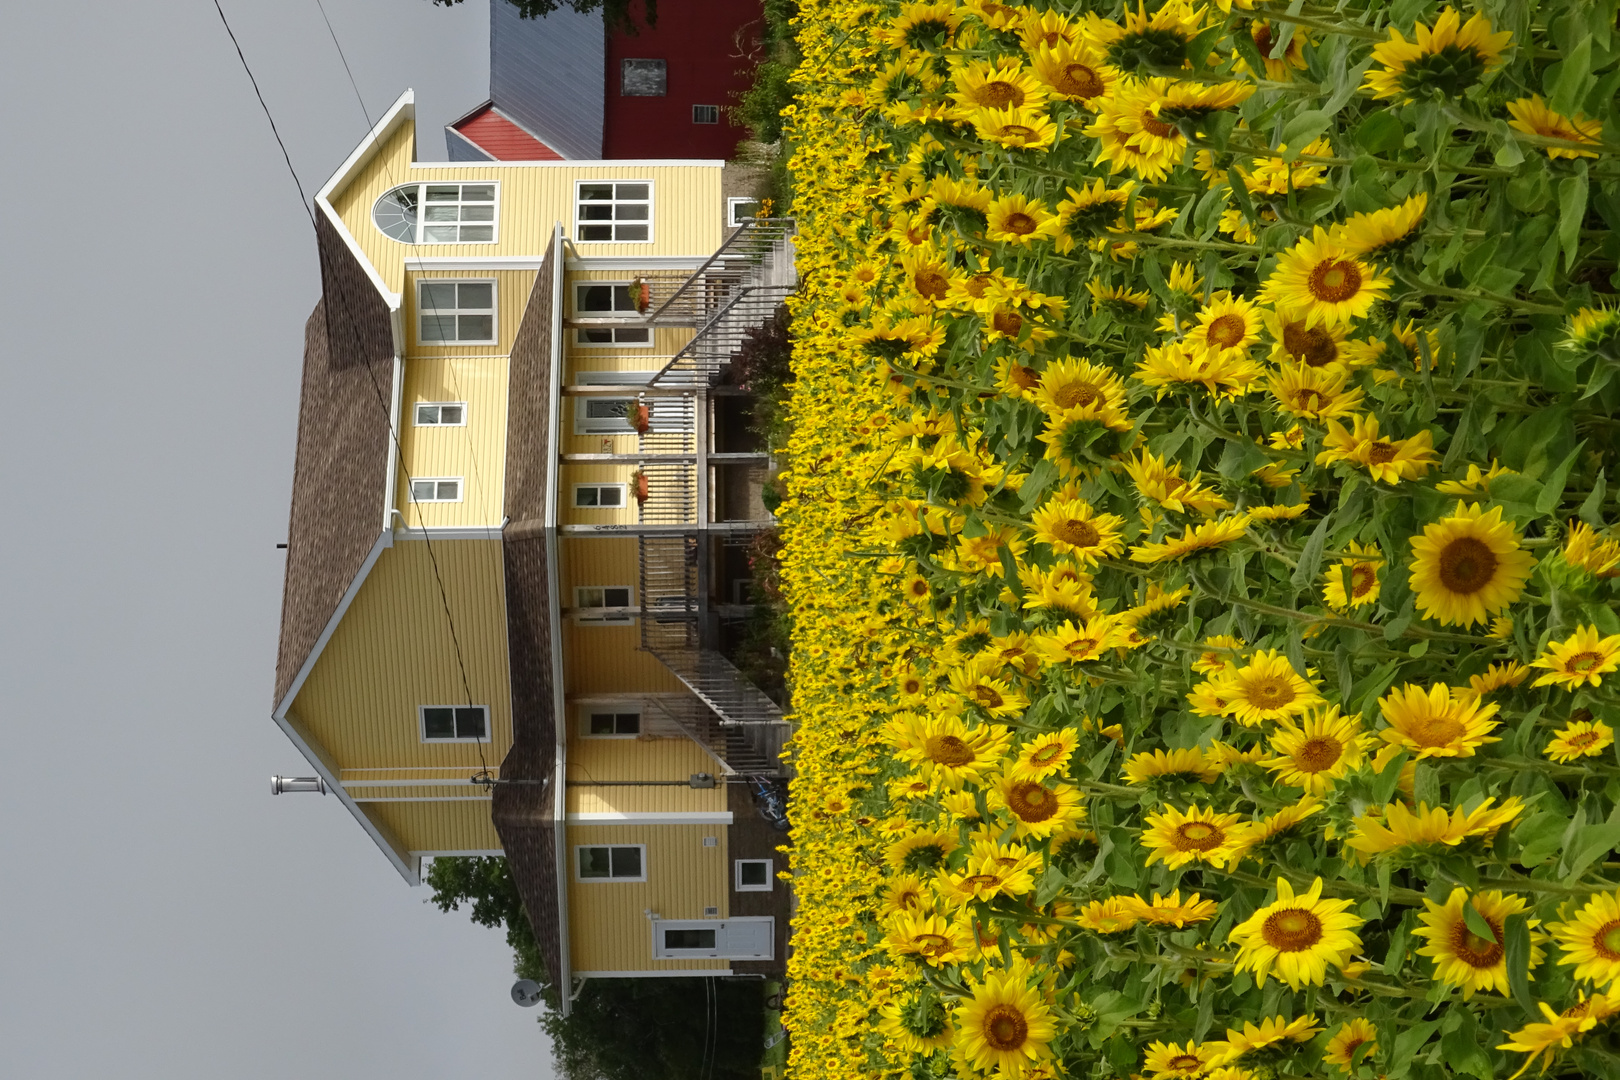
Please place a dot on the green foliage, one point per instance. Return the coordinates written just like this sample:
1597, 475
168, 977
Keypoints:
620, 15
660, 1029
485, 883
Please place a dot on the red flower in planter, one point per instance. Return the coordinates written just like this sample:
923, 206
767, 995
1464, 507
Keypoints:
640, 418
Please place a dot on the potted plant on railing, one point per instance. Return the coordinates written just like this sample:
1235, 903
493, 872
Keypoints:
641, 295
640, 487
640, 417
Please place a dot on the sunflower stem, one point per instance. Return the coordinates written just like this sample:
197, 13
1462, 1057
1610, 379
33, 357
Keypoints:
1477, 294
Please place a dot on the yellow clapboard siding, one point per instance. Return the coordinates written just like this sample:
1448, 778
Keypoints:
639, 759
608, 927
572, 476
463, 825
531, 199
393, 652
606, 659
475, 451
513, 289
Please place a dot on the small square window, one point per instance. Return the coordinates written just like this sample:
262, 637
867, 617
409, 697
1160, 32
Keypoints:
603, 596
456, 312
455, 723
643, 78
614, 212
599, 496
426, 489
705, 114
755, 875
739, 210
604, 862
441, 414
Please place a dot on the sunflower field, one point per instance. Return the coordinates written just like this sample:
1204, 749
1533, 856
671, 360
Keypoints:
1200, 539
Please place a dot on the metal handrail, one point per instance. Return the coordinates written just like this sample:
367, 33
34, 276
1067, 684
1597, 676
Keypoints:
762, 234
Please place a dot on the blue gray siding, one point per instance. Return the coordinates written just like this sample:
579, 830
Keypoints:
547, 75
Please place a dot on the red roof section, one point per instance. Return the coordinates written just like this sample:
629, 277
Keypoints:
503, 140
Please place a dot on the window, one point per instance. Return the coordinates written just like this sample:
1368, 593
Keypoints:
610, 724
426, 489
754, 875
437, 214
642, 78
454, 723
598, 496
608, 212
441, 413
739, 210
611, 862
608, 300
456, 312
705, 114
611, 416
603, 596
689, 938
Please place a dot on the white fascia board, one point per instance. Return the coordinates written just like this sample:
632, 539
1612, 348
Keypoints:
395, 402
579, 163
449, 532
684, 817
635, 262
672, 973
532, 262
403, 111
559, 706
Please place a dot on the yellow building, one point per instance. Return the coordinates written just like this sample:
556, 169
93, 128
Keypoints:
519, 507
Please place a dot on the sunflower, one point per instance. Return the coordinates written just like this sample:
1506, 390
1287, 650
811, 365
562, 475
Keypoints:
1036, 810
919, 1023
928, 936
1544, 1039
1395, 826
1277, 176
928, 275
1171, 910
1005, 1026
1225, 376
1119, 297
1109, 916
1582, 659
1219, 652
1449, 58
1434, 723
1161, 482
1295, 340
1348, 1041
1319, 394
1013, 219
951, 754
1074, 71
982, 880
1580, 738
1590, 941
999, 84
1268, 688
1586, 550
1194, 101
1075, 388
1467, 567
1157, 601
1281, 69
1321, 749
1089, 211
1148, 41
1176, 838
906, 892
1170, 1061
996, 697
1013, 651
1228, 323
1211, 534
1072, 527
1044, 755
1463, 958
1075, 643
1132, 134
1497, 677
1270, 1032
1593, 331
1015, 129
1190, 764
920, 26
1323, 281
922, 850
1296, 937
1254, 833
1380, 233
1354, 581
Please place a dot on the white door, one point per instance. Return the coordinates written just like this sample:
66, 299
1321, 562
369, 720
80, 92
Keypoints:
745, 938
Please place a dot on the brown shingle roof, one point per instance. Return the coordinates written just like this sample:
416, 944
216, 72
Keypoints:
339, 481
523, 812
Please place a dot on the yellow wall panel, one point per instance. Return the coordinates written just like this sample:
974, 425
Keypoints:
608, 927
461, 825
606, 659
573, 476
674, 758
513, 289
474, 451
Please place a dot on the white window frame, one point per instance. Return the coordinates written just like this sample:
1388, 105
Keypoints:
419, 237
579, 854
623, 490
421, 724
695, 119
612, 313
460, 482
732, 203
770, 876
601, 425
585, 712
416, 413
493, 311
580, 222
602, 620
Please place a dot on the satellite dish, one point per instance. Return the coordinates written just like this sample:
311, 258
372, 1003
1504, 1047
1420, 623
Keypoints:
526, 992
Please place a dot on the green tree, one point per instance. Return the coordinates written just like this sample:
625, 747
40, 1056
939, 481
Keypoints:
617, 14
486, 885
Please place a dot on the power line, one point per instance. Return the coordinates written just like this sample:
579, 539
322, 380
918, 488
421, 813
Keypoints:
302, 201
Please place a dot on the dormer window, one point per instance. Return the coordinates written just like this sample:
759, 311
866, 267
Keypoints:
437, 214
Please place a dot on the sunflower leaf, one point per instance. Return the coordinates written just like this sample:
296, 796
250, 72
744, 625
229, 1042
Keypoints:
1572, 191
1384, 784
1552, 489
1517, 948
1475, 922
1595, 842
1310, 556
1569, 85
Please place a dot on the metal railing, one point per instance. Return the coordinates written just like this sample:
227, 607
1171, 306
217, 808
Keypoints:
759, 252
736, 748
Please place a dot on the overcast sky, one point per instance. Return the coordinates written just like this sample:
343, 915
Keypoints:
161, 915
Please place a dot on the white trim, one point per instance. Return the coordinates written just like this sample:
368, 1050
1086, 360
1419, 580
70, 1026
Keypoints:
532, 262
770, 876
396, 399
652, 202
667, 973
682, 817
450, 532
734, 201
417, 407
421, 724
635, 262
447, 854
402, 111
563, 978
580, 607
583, 880
423, 342
422, 798
427, 782
421, 205
585, 163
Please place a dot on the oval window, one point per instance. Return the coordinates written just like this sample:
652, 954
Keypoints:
396, 213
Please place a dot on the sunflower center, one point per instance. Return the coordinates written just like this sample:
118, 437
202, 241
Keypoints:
1185, 1062
1005, 1028
1079, 80
1047, 754
1198, 836
1271, 693
1081, 534
919, 588
976, 285
1474, 950
1381, 452
999, 95
1264, 41
1018, 132
1362, 577
1308, 400
1154, 126
1582, 662
1025, 378
1435, 730
1467, 565
1007, 322
988, 696
1334, 281
932, 284
1314, 345
911, 686
1071, 395
1020, 224
1292, 930
931, 944
949, 750
1582, 740
1227, 331
1319, 753
982, 881
1606, 942
1031, 802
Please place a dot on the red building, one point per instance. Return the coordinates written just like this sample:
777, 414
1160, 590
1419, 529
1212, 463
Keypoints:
563, 87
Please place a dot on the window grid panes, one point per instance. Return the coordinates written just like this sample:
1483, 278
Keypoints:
455, 723
437, 213
705, 114
457, 312
689, 938
608, 300
613, 723
441, 413
610, 862
614, 212
426, 489
602, 596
